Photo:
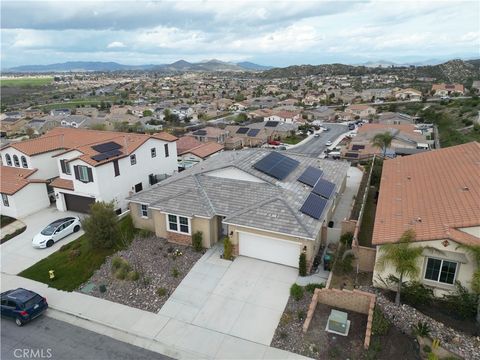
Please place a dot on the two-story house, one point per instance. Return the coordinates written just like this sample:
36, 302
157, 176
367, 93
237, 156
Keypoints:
83, 166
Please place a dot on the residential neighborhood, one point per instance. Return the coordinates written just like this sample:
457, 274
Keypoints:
264, 180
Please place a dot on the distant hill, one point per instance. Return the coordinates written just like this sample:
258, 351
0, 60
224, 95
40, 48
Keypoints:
178, 66
451, 71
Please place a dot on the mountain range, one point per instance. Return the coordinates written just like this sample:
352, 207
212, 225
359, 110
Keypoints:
178, 66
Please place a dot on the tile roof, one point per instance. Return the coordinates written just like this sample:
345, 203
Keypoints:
206, 149
186, 143
83, 140
434, 193
199, 192
62, 184
14, 179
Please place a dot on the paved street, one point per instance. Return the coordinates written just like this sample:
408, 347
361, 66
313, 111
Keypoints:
64, 342
316, 145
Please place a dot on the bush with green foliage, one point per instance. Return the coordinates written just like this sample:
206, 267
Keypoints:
415, 293
101, 226
197, 239
296, 291
421, 329
311, 287
346, 239
427, 349
144, 233
175, 273
380, 324
133, 276
102, 288
302, 264
161, 291
461, 302
227, 248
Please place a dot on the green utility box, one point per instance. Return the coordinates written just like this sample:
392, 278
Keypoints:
338, 322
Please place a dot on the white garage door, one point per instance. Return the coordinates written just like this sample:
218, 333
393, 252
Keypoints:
269, 249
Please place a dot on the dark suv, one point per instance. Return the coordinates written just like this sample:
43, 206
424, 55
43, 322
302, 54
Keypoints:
22, 305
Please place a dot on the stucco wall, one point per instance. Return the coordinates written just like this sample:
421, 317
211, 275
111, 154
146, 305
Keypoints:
463, 274
26, 201
139, 221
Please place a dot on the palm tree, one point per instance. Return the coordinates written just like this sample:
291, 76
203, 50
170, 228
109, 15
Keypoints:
474, 250
382, 141
403, 257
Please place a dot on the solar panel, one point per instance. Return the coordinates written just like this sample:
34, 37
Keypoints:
276, 165
242, 130
310, 176
271, 123
324, 188
314, 206
358, 147
200, 132
106, 155
106, 147
351, 155
253, 132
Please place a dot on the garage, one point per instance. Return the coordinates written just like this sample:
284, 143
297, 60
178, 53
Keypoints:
78, 203
269, 249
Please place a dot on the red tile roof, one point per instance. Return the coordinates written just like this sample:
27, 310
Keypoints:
14, 179
206, 149
435, 193
62, 184
186, 143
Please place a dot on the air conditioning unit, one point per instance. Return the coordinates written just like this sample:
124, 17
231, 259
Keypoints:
338, 323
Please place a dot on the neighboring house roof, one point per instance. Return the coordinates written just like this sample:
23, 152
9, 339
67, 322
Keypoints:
186, 143
448, 87
82, 140
210, 131
62, 184
14, 179
359, 107
435, 193
269, 204
205, 149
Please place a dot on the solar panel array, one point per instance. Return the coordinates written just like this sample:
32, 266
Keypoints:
200, 132
253, 132
106, 147
310, 176
314, 206
242, 130
324, 188
276, 165
358, 147
271, 123
351, 155
106, 155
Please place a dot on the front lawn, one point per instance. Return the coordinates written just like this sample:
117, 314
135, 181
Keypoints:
293, 139
76, 262
5, 220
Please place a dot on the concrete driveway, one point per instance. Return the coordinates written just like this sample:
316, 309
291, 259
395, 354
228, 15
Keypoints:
244, 298
17, 254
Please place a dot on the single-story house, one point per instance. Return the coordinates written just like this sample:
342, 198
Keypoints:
436, 194
271, 206
190, 151
360, 110
447, 89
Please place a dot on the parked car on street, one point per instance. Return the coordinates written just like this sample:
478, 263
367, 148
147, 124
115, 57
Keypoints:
274, 142
316, 135
22, 305
328, 143
56, 231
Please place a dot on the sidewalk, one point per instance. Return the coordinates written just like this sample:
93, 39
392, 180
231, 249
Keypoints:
151, 331
11, 228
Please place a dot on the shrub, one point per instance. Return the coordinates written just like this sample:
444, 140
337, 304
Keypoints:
175, 272
121, 273
227, 248
311, 287
380, 324
343, 264
286, 318
161, 291
133, 276
301, 315
145, 233
197, 241
64, 247
118, 262
296, 291
302, 264
102, 288
346, 239
101, 227
461, 302
427, 349
432, 356
421, 329
415, 293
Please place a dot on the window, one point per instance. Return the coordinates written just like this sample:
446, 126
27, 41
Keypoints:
15, 161
5, 200
116, 169
144, 210
166, 150
8, 159
65, 167
138, 187
83, 173
153, 152
24, 162
178, 224
133, 159
442, 271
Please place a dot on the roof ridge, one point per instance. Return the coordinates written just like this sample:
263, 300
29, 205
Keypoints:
203, 192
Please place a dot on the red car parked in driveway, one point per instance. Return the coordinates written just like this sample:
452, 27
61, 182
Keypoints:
274, 142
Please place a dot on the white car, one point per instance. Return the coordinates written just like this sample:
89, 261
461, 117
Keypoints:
328, 143
316, 135
55, 231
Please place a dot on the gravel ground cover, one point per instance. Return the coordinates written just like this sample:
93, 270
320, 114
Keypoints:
155, 269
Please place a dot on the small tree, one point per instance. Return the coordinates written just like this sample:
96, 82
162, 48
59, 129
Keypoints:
382, 141
227, 248
101, 227
197, 241
302, 264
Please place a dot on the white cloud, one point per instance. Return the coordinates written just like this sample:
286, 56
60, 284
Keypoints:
116, 45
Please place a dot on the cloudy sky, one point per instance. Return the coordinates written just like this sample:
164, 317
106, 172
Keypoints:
266, 32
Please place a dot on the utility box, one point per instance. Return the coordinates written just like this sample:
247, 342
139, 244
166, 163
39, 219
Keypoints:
338, 323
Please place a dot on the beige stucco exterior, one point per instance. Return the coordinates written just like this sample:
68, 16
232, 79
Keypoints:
451, 252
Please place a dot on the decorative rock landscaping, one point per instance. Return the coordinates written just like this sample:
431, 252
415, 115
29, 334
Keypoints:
144, 275
405, 317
